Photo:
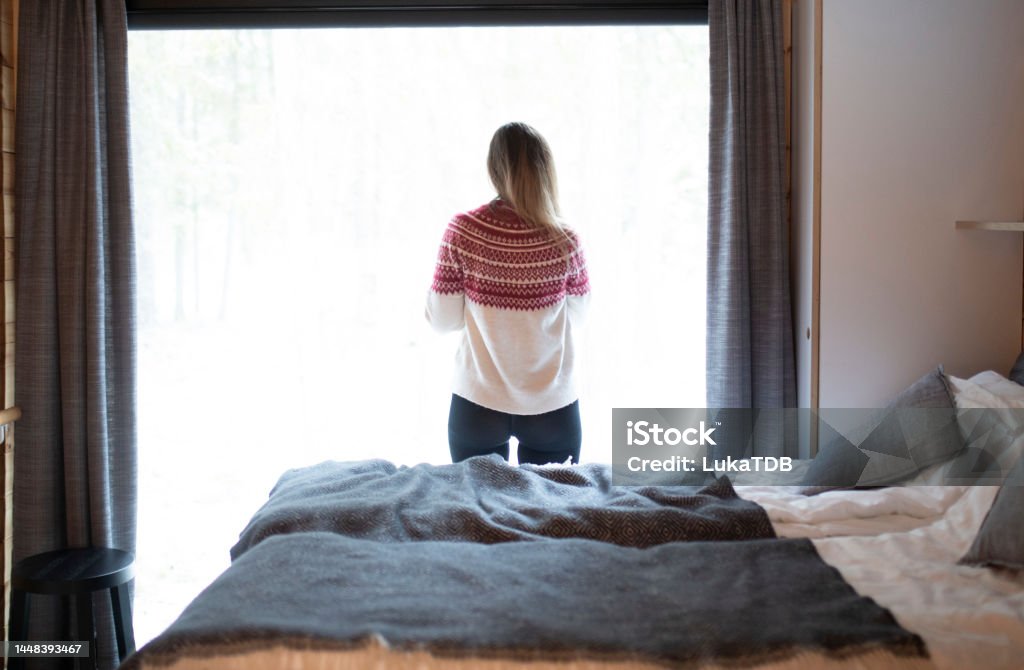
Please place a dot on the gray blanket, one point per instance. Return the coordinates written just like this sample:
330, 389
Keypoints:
677, 604
486, 500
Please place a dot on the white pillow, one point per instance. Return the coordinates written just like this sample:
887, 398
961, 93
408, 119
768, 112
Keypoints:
990, 416
987, 389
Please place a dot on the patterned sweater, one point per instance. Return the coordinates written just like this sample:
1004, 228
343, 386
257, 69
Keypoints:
516, 294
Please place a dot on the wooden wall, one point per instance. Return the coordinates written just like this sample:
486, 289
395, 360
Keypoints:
8, 87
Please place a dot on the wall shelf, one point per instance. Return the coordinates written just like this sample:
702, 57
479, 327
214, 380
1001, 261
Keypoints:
991, 225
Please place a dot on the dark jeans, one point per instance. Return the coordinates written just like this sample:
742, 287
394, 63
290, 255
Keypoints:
551, 437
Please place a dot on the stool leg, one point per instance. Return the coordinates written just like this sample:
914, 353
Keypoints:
123, 621
19, 624
86, 629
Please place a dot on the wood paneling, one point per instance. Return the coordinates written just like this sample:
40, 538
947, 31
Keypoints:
8, 101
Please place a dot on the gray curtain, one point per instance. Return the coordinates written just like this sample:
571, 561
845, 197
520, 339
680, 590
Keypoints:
75, 464
750, 345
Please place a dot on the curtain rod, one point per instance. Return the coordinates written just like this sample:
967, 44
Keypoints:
170, 14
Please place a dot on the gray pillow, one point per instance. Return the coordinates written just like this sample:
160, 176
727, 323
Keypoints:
1017, 373
1000, 541
838, 464
895, 447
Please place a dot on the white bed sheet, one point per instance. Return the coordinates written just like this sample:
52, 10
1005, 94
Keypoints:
900, 546
970, 617
851, 512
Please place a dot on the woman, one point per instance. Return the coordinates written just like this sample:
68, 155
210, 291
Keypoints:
512, 278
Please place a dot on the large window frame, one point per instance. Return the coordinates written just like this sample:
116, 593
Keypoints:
231, 14
192, 14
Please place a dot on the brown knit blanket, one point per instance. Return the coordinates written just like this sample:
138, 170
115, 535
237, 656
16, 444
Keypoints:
486, 500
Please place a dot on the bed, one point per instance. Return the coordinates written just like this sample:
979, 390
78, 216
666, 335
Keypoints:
486, 565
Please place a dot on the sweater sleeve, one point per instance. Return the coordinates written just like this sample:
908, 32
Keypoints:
446, 300
577, 286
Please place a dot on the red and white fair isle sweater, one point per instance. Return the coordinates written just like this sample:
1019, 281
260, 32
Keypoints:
516, 294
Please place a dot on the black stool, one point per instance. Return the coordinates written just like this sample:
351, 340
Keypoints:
78, 573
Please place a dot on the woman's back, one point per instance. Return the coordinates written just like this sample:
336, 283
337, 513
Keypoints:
512, 278
518, 291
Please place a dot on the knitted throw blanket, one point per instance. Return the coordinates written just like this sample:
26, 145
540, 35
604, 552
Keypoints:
486, 500
677, 605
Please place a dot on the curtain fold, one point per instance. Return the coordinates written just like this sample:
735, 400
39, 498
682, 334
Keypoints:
750, 344
75, 470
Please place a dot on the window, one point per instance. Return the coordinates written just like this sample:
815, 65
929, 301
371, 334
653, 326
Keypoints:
291, 189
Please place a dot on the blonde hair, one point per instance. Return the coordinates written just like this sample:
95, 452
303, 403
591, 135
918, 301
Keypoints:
522, 170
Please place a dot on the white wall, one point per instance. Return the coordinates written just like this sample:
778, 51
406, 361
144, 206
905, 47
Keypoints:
923, 124
802, 194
